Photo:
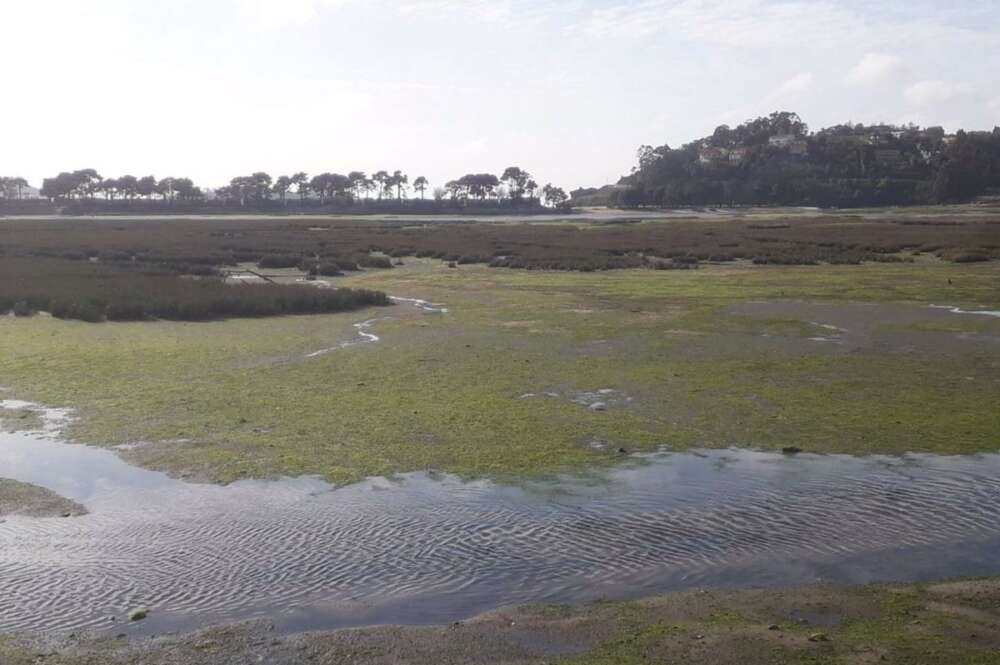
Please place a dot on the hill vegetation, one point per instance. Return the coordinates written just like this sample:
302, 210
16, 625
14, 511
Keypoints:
776, 160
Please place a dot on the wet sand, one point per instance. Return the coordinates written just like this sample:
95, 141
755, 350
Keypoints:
26, 500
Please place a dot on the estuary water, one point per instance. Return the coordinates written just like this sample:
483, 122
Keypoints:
433, 548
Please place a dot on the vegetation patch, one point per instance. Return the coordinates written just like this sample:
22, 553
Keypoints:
96, 292
789, 239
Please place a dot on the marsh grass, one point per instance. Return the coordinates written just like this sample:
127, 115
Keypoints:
276, 243
96, 292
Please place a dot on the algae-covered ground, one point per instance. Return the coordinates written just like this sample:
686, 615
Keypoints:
947, 623
505, 381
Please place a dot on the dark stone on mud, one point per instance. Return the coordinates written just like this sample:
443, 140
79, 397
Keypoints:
791, 450
774, 626
138, 614
622, 451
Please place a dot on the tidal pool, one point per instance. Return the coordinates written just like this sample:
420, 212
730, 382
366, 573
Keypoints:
433, 548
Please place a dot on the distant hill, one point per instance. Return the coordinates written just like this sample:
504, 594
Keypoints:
776, 160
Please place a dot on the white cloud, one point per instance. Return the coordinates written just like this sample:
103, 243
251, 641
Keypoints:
995, 103
282, 13
796, 85
875, 68
735, 23
929, 92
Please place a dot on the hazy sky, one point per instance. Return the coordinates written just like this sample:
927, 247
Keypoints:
565, 88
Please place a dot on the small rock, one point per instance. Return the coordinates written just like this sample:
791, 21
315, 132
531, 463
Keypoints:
699, 637
774, 626
598, 406
138, 614
791, 450
622, 451
819, 637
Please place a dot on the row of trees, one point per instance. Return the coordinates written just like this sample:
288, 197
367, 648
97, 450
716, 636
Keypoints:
776, 160
260, 186
88, 184
515, 186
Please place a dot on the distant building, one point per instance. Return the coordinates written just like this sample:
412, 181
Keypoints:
710, 155
789, 143
739, 155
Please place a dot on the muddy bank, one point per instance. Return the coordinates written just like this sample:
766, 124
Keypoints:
19, 420
940, 623
25, 500
881, 327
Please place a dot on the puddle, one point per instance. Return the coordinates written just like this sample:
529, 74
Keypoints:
958, 310
422, 304
433, 548
594, 400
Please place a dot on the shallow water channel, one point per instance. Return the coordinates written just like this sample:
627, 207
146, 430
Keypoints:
423, 548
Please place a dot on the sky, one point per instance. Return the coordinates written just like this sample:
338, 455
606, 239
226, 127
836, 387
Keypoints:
567, 89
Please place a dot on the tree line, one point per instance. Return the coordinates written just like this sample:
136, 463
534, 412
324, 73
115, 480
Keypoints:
88, 183
515, 187
776, 160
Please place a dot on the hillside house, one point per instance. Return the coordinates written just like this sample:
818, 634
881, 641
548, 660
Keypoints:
712, 156
790, 143
739, 155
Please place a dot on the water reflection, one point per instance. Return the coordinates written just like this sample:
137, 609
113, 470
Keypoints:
433, 548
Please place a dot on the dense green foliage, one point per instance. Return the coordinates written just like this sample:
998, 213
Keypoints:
776, 160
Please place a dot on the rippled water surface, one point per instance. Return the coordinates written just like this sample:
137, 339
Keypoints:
422, 548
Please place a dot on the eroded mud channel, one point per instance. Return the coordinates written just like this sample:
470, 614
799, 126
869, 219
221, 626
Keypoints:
423, 548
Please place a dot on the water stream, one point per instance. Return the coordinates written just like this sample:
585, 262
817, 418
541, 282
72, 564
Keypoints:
431, 548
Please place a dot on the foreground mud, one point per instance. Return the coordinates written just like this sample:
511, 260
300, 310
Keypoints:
955, 622
26, 500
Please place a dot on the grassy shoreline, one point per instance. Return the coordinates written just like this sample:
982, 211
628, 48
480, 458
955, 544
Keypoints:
226, 400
